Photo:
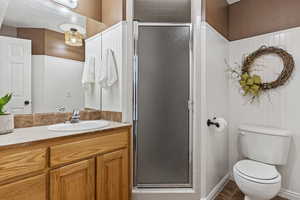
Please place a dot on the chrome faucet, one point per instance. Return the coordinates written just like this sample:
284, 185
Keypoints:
75, 117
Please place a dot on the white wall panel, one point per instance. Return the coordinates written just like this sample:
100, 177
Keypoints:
112, 98
278, 108
113, 39
217, 51
56, 83
92, 95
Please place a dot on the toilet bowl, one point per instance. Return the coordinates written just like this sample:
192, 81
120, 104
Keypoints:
264, 147
258, 181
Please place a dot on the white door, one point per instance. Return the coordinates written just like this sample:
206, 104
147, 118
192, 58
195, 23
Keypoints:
15, 73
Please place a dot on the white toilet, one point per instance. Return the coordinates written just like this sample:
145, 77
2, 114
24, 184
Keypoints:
264, 147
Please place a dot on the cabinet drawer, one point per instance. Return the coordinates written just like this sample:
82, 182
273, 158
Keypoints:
65, 153
28, 189
21, 163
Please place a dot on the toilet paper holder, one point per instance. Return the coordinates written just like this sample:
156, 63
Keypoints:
212, 122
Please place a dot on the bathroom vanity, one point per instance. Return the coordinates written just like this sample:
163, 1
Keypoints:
38, 164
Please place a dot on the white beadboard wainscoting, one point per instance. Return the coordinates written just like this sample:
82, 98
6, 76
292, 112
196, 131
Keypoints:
113, 98
278, 108
217, 50
56, 82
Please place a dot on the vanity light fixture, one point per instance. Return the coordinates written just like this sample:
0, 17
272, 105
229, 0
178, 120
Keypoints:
68, 3
73, 38
74, 34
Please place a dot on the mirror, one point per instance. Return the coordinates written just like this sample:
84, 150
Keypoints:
42, 56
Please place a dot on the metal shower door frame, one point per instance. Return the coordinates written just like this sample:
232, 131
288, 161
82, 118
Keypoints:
135, 102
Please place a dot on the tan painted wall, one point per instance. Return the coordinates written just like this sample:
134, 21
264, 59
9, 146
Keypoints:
113, 11
216, 14
8, 31
90, 8
109, 12
249, 18
51, 43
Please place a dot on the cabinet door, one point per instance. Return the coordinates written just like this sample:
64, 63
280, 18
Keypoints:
33, 188
113, 176
73, 182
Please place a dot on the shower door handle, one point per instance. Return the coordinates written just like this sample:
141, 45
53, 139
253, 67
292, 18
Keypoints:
135, 87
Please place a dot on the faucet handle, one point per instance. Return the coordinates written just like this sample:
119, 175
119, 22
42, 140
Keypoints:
75, 116
76, 112
61, 108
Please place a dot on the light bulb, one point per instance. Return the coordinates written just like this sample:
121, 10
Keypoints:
73, 38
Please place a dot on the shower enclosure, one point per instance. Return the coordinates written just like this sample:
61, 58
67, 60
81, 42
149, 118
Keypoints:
162, 105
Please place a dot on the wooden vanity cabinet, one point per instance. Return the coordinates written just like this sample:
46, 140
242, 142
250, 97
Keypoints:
112, 176
93, 166
78, 181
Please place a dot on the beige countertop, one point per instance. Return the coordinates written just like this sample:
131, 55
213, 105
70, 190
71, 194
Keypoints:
39, 133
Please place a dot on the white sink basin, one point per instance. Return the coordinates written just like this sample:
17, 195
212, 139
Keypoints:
81, 126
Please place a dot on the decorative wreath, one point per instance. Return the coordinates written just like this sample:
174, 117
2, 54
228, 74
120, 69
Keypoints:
252, 84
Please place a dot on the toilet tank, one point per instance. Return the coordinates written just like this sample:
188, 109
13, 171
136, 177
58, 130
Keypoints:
265, 144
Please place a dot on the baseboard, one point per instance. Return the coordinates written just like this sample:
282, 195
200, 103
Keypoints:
231, 176
283, 192
218, 188
289, 194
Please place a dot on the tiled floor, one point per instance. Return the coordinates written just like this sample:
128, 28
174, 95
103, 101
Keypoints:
232, 192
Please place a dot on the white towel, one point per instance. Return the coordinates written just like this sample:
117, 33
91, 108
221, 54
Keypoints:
108, 73
88, 76
102, 74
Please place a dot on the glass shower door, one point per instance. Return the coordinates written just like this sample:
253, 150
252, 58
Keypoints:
162, 96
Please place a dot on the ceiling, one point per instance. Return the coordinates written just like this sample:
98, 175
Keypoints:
40, 14
232, 1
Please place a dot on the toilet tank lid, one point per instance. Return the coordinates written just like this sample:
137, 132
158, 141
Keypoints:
265, 130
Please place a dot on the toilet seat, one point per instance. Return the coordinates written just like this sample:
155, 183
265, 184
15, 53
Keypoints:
257, 172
